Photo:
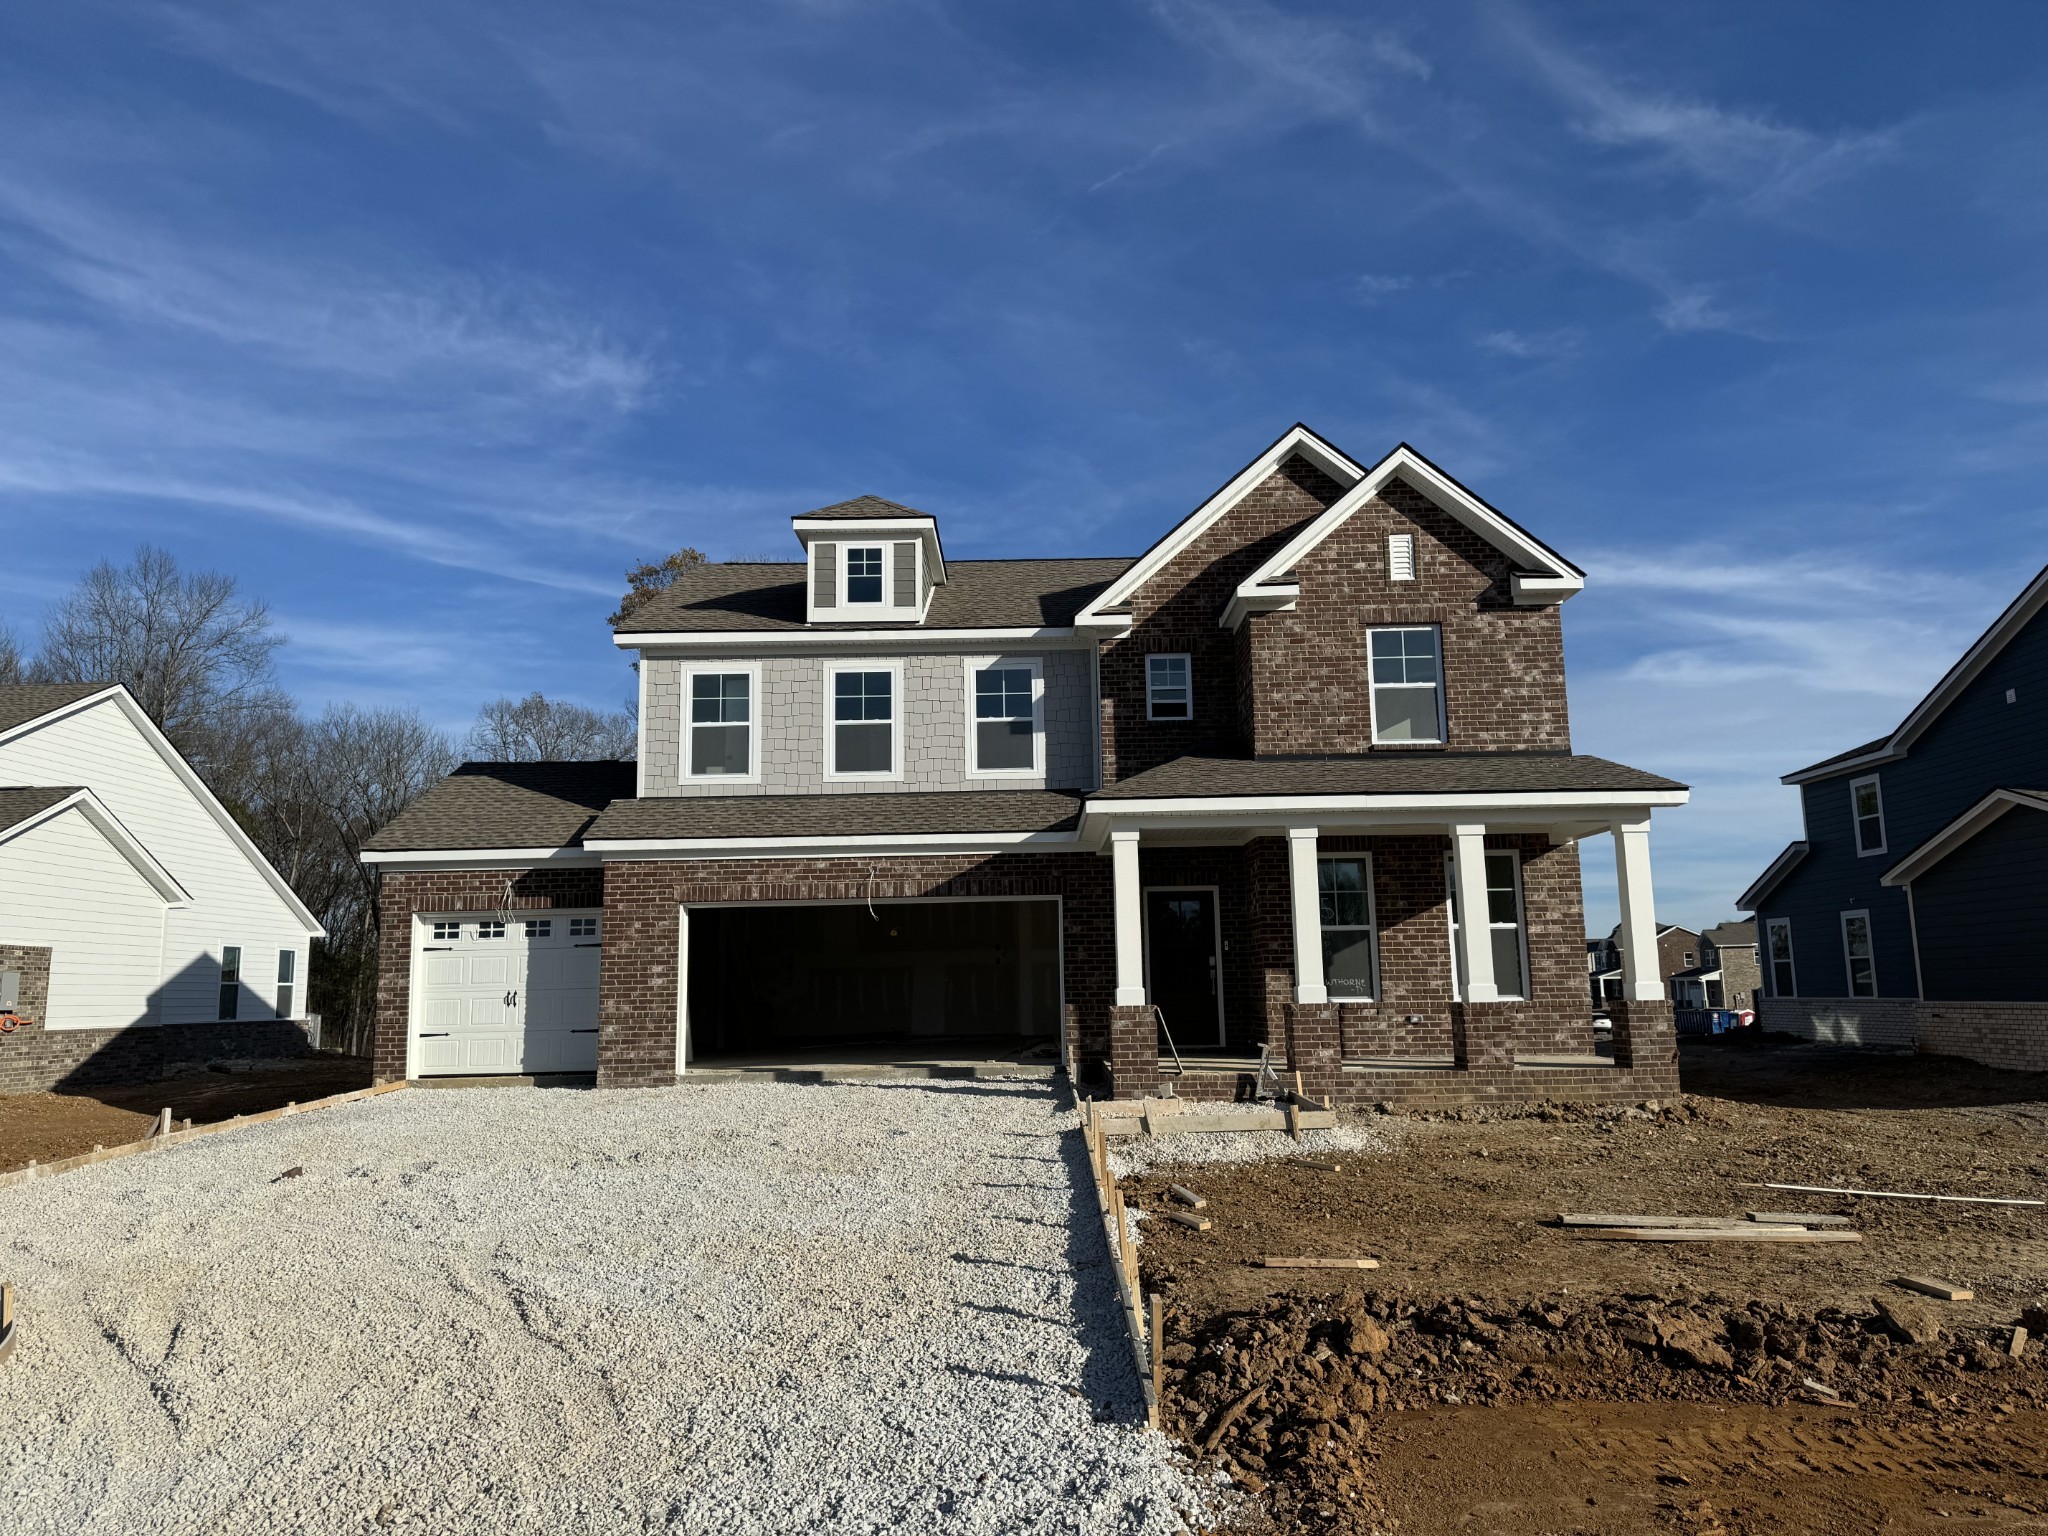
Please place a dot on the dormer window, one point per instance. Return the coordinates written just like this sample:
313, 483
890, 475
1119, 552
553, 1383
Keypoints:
863, 573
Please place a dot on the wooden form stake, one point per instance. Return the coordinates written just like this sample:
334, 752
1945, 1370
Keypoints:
1123, 1256
1159, 1348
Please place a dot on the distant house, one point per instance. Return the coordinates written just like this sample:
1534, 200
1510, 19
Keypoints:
1726, 976
139, 926
1678, 949
1913, 909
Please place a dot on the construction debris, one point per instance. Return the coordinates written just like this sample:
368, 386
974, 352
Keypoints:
1729, 1234
1821, 1387
1895, 1194
1320, 1167
1269, 1261
7, 1322
1941, 1290
1797, 1219
1716, 1223
1186, 1196
2017, 1345
1189, 1219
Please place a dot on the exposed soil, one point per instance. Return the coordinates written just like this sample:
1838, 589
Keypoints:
49, 1126
1499, 1373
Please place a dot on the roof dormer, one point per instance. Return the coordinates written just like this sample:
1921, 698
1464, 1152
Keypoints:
869, 561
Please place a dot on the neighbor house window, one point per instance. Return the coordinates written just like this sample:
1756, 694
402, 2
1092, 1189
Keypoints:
287, 973
864, 574
230, 981
721, 723
1503, 922
1867, 806
863, 724
1857, 952
1778, 955
1005, 726
1350, 965
1400, 557
1407, 685
1169, 688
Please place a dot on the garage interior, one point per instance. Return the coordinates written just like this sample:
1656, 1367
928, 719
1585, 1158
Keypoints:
846, 980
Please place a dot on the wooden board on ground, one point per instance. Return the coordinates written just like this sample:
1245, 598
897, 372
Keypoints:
1270, 1261
1743, 1234
1185, 1196
1941, 1290
1797, 1219
1578, 1219
1189, 1219
1186, 1123
1897, 1194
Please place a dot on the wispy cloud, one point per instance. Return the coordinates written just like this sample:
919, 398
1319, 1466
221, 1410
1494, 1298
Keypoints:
1534, 346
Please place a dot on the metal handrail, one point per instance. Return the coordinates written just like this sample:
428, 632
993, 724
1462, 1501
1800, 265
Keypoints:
1179, 1067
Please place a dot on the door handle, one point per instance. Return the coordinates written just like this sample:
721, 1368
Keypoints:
511, 999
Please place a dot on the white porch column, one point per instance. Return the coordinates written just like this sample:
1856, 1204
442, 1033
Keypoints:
1130, 918
1475, 938
1309, 986
1640, 979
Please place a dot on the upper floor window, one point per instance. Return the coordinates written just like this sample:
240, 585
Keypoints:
1858, 954
721, 723
1866, 804
1400, 557
1778, 955
1350, 965
864, 573
863, 741
1005, 734
1169, 688
230, 981
1407, 685
1503, 922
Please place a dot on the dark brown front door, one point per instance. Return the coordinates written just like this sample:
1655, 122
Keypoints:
1183, 970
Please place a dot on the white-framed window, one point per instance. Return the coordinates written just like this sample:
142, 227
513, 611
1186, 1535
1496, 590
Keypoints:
864, 721
1169, 687
540, 927
230, 981
720, 704
582, 927
1778, 957
490, 928
1507, 931
1400, 557
1005, 717
866, 577
1351, 967
1859, 957
1407, 684
287, 975
451, 930
1866, 806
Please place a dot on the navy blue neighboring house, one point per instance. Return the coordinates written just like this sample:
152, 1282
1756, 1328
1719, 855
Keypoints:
1922, 882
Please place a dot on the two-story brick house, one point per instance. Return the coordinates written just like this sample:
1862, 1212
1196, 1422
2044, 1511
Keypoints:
1245, 785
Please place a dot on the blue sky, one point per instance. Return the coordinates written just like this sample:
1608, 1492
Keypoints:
426, 320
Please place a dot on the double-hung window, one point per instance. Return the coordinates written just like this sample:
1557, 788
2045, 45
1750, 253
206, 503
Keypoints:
1350, 946
230, 981
863, 724
1866, 804
721, 724
1169, 688
1778, 956
1005, 731
1503, 922
1407, 685
1858, 955
287, 974
864, 573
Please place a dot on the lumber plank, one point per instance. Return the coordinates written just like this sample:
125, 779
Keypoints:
1320, 1167
1941, 1290
1189, 1219
1796, 1219
1582, 1219
1747, 1234
1273, 1261
1897, 1194
1185, 1196
1265, 1120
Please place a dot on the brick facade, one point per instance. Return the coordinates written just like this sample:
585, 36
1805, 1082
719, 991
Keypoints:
2012, 1037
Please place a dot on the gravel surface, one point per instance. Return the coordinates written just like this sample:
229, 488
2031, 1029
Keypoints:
1132, 1156
732, 1308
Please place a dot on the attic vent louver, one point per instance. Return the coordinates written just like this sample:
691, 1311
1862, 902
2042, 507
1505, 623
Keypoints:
1401, 557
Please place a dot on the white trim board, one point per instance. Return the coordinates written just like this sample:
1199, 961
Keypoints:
1977, 818
108, 825
625, 849
904, 635
478, 858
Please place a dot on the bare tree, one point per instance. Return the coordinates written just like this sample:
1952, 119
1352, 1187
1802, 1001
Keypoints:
197, 656
650, 578
12, 668
537, 729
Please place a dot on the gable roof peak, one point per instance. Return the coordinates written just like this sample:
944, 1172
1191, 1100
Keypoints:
879, 508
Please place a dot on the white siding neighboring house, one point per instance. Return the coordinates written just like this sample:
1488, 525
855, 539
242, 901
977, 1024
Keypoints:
118, 860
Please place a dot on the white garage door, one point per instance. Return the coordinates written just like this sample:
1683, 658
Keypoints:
506, 995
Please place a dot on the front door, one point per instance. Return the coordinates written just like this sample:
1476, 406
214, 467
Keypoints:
1183, 969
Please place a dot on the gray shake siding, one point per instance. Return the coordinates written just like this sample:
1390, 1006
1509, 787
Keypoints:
791, 724
825, 576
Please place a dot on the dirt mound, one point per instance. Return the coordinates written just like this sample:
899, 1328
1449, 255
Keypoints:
1291, 1398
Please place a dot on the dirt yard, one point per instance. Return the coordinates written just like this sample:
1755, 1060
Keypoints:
47, 1126
1501, 1373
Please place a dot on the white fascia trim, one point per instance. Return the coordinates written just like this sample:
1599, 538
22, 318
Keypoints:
899, 637
124, 842
854, 529
1762, 886
1951, 837
478, 858
614, 849
1549, 583
192, 782
2016, 617
1097, 817
1297, 439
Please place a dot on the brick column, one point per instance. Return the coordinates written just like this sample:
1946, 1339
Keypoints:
1133, 1052
1644, 1035
1483, 1036
1315, 1047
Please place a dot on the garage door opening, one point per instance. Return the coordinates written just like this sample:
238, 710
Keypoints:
951, 979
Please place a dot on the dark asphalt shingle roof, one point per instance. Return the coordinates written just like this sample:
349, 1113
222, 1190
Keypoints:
978, 594
17, 805
23, 702
868, 506
506, 805
803, 816
1390, 773
1731, 935
1842, 757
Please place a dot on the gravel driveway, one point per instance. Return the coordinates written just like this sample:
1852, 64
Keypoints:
729, 1308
